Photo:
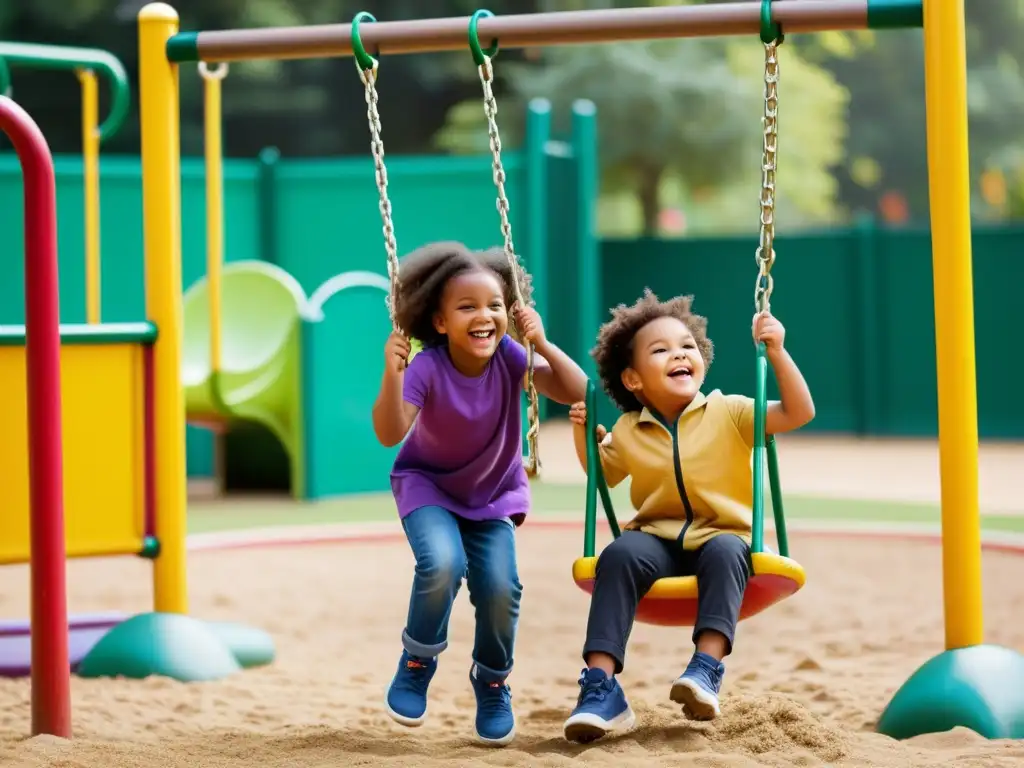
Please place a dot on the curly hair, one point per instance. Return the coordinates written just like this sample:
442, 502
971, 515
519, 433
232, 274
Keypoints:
424, 273
613, 352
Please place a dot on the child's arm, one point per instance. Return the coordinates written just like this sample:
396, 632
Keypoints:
393, 416
555, 374
795, 406
612, 465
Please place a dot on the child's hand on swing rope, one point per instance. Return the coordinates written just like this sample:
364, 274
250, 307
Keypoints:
769, 330
578, 416
396, 353
529, 325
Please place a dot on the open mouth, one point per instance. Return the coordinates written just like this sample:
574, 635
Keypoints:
680, 373
482, 333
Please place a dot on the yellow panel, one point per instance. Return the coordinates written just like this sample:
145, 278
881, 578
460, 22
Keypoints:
103, 411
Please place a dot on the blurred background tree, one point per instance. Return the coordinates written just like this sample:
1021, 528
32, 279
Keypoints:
679, 120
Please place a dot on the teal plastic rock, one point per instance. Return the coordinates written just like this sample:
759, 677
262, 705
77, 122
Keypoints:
161, 644
980, 687
250, 646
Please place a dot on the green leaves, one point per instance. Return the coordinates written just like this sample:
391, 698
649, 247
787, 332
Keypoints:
682, 116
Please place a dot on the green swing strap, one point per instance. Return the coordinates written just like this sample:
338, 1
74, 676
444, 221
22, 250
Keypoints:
595, 481
760, 443
776, 487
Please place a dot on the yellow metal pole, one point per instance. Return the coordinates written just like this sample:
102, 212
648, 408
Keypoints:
91, 161
212, 79
949, 185
161, 211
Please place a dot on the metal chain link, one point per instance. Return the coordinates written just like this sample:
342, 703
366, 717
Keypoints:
765, 256
369, 78
532, 462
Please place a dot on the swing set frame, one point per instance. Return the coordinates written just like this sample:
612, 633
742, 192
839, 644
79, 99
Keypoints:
163, 47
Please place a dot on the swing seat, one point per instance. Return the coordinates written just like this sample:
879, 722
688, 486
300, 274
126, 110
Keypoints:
672, 602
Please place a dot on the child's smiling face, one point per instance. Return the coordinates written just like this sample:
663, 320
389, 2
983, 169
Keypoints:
667, 369
473, 315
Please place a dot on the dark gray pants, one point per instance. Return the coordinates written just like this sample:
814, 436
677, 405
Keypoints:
628, 568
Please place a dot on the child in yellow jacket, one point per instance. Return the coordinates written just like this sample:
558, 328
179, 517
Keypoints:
688, 455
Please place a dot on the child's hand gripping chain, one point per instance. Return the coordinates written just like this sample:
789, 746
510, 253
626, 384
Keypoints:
396, 353
530, 326
578, 418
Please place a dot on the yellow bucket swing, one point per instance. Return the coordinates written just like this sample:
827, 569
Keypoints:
774, 577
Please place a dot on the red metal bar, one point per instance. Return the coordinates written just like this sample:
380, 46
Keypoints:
149, 441
51, 677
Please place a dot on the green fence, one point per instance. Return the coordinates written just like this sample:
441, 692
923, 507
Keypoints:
324, 218
317, 218
857, 305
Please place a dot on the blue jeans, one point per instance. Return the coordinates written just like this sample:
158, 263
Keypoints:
448, 548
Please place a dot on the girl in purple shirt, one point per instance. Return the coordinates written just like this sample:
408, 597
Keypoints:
458, 479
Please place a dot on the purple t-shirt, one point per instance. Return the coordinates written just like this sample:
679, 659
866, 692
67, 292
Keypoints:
464, 452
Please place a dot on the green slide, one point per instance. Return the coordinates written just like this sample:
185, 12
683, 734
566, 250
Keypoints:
261, 306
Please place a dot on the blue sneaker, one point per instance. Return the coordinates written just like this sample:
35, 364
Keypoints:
600, 709
495, 722
697, 689
406, 701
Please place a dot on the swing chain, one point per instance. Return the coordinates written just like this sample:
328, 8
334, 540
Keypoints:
369, 78
765, 256
486, 72
491, 111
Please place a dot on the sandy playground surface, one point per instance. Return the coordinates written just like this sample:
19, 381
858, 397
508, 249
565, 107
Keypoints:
805, 686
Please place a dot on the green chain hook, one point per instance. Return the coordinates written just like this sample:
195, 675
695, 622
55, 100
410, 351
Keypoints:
479, 54
363, 60
771, 32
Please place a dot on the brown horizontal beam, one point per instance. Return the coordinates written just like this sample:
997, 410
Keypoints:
539, 29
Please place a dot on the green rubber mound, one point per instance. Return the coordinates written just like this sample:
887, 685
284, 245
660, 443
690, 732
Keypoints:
251, 647
161, 644
980, 687
177, 646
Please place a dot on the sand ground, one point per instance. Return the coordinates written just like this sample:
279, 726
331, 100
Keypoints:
806, 684
804, 687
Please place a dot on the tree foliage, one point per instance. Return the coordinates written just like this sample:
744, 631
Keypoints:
686, 111
678, 120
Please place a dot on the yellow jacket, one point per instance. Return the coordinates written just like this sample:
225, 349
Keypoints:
691, 480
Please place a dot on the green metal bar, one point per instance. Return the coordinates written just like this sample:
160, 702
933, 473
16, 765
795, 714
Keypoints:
5, 80
595, 481
68, 58
606, 502
82, 333
593, 473
588, 258
895, 14
776, 488
268, 159
538, 131
760, 417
